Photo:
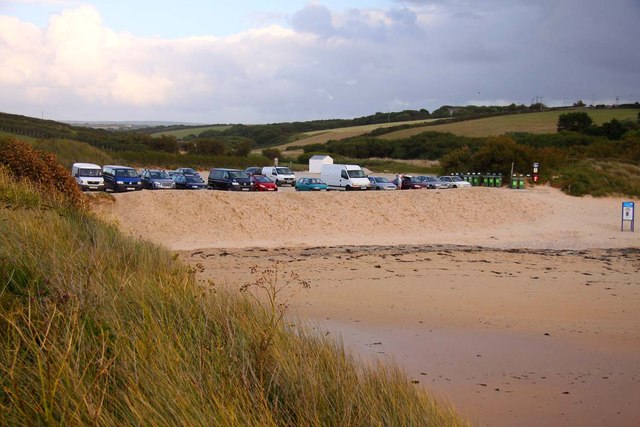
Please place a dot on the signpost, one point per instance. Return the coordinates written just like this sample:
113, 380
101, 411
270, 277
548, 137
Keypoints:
536, 165
627, 214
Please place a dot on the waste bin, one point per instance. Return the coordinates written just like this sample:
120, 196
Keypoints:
498, 180
515, 182
521, 183
476, 180
489, 180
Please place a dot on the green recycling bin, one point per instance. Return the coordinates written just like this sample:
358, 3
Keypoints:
498, 180
489, 180
466, 177
514, 182
476, 180
521, 183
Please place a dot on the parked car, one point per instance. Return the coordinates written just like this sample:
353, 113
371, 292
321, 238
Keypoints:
154, 179
432, 182
121, 178
88, 176
262, 183
310, 184
381, 183
253, 170
409, 183
188, 182
280, 174
187, 171
454, 181
229, 179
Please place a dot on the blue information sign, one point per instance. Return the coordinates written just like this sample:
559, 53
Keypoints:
627, 214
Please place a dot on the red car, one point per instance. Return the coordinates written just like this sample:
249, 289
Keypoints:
263, 183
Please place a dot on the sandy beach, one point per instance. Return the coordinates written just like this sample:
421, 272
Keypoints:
519, 307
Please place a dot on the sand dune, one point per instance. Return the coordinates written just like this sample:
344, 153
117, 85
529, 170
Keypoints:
500, 218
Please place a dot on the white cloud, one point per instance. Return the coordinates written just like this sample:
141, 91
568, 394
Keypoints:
419, 54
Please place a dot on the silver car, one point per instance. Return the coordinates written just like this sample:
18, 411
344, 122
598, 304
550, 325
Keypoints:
153, 179
454, 181
381, 183
433, 182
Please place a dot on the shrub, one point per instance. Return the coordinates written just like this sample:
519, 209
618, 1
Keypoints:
42, 169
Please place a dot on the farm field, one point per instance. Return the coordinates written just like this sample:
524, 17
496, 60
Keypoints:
322, 136
542, 122
509, 308
181, 133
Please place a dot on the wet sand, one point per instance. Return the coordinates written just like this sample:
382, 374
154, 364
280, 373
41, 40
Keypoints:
510, 337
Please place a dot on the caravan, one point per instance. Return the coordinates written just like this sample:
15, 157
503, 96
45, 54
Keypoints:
344, 177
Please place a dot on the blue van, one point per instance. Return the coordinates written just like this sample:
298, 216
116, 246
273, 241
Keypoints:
121, 178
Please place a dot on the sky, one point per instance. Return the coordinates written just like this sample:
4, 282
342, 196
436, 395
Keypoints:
249, 61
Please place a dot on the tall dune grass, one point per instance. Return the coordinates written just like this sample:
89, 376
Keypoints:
99, 328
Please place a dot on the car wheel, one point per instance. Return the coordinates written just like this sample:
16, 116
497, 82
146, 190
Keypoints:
347, 188
278, 182
455, 186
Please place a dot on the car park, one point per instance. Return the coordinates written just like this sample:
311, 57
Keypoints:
280, 174
229, 179
154, 179
454, 181
432, 182
119, 178
188, 182
381, 183
263, 183
88, 176
310, 184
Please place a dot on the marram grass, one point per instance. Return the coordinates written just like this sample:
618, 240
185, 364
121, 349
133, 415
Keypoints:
98, 328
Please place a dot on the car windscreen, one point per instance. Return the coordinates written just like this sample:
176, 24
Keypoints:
192, 178
284, 171
262, 179
89, 172
359, 173
127, 173
456, 179
381, 179
159, 175
238, 174
189, 171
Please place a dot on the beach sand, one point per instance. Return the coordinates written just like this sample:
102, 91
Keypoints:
519, 307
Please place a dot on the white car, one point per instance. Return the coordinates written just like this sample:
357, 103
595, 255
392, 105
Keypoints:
454, 181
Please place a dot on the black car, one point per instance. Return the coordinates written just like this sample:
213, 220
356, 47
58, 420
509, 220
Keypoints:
186, 171
229, 179
253, 170
188, 181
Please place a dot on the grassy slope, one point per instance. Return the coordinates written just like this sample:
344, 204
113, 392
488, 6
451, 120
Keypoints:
543, 122
98, 328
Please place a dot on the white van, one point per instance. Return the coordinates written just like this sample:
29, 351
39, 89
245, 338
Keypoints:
344, 177
280, 175
88, 176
